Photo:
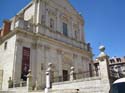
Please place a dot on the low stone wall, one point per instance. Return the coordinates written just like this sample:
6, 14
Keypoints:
88, 85
17, 90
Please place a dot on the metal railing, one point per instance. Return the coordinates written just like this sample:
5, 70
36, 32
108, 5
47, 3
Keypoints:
81, 75
15, 84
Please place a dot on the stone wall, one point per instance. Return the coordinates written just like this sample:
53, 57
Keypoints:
44, 51
7, 50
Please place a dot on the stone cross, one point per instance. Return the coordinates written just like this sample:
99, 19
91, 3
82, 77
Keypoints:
72, 74
29, 81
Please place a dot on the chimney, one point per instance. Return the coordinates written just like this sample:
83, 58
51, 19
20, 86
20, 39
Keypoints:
0, 32
6, 27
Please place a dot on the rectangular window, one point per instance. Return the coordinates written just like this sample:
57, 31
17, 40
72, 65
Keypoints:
65, 29
51, 23
25, 62
43, 18
76, 34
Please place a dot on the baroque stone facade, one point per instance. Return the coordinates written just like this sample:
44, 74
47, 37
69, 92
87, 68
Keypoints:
45, 31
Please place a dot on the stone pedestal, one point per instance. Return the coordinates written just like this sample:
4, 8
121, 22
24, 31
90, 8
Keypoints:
48, 78
104, 70
72, 74
29, 81
10, 83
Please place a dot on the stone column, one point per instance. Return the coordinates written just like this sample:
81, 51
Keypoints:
47, 15
59, 53
17, 61
29, 81
71, 31
38, 15
81, 32
72, 74
35, 4
38, 77
58, 21
104, 70
75, 59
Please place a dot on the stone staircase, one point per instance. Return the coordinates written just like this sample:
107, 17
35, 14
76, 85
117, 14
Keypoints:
88, 85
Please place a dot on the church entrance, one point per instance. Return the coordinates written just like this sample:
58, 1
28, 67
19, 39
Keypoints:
25, 62
65, 75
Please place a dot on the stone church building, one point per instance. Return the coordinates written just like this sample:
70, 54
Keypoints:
45, 31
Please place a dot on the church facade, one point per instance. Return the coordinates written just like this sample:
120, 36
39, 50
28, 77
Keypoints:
45, 31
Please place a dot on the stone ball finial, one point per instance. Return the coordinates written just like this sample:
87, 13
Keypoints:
102, 48
47, 73
72, 68
49, 64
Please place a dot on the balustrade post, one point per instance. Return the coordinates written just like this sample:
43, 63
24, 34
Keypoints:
48, 78
29, 81
72, 74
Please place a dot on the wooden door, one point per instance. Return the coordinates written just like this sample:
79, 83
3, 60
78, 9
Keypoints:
65, 75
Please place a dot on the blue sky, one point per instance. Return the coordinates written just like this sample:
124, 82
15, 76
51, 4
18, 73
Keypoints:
104, 21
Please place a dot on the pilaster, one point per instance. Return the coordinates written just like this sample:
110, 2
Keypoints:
59, 54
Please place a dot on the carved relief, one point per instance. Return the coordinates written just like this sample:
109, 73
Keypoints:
19, 41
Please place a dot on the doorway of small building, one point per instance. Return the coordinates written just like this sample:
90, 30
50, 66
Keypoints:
65, 75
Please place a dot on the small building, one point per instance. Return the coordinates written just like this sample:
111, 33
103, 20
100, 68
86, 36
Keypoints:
116, 67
